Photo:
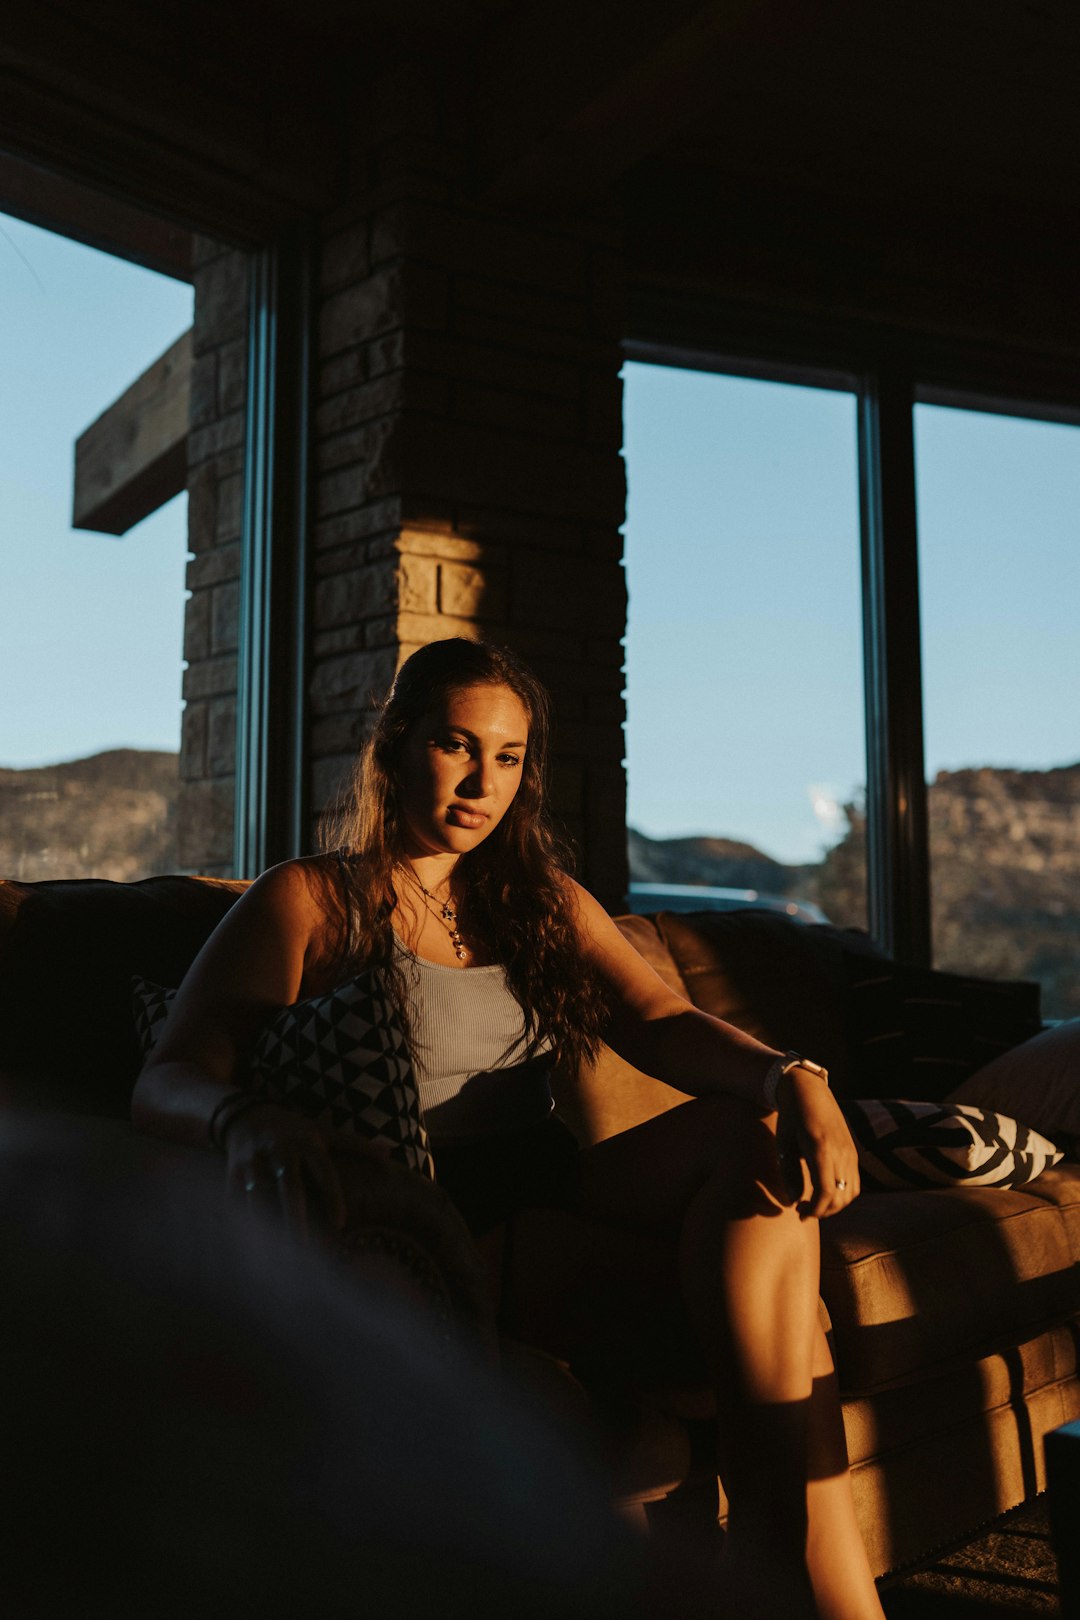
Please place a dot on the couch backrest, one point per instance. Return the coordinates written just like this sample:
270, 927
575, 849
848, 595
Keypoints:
68, 951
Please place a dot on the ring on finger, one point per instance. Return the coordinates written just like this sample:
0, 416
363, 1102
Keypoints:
840, 1185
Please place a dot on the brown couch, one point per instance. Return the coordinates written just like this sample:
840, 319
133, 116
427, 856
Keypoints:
953, 1313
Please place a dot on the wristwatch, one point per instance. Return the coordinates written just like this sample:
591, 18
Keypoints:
783, 1065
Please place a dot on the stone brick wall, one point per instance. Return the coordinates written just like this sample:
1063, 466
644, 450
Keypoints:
215, 487
469, 476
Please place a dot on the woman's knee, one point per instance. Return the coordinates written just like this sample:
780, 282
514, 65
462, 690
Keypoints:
737, 1140
647, 1177
739, 1164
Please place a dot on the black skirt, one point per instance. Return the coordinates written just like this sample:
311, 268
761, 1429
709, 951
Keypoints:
489, 1178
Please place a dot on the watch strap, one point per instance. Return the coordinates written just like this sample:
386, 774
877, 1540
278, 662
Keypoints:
781, 1066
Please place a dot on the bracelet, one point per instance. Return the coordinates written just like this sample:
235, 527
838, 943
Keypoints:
228, 1108
781, 1066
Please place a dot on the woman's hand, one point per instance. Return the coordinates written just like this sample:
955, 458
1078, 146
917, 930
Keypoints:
818, 1158
283, 1159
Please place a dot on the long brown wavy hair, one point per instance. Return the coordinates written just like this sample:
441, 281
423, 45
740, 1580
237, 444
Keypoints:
514, 899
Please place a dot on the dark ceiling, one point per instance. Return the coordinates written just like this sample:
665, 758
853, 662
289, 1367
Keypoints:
777, 138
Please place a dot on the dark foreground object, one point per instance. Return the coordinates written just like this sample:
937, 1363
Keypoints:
201, 1418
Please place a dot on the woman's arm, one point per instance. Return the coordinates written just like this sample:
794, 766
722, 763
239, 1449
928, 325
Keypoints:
658, 1031
251, 965
665, 1036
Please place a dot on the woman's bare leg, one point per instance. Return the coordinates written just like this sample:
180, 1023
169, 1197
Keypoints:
749, 1271
705, 1177
835, 1554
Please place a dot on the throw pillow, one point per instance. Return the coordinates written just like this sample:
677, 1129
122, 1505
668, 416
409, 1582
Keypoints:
926, 1144
916, 1032
1039, 1080
340, 1059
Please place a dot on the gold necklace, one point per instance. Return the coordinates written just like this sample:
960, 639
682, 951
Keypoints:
444, 910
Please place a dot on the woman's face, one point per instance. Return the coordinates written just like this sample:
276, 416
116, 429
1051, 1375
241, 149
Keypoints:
460, 767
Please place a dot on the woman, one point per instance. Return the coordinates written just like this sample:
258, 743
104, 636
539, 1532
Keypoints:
446, 877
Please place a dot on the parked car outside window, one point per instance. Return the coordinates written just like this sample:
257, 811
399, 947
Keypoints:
684, 897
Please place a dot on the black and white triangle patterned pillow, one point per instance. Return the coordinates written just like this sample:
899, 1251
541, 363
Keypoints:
340, 1059
928, 1144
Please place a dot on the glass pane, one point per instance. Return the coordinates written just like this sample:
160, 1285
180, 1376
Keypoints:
90, 654
999, 558
745, 740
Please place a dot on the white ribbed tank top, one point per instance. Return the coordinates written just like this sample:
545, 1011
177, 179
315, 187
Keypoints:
467, 1041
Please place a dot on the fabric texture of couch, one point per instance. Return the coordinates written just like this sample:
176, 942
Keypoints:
954, 1313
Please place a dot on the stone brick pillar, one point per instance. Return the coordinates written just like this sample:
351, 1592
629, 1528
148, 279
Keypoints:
469, 474
215, 487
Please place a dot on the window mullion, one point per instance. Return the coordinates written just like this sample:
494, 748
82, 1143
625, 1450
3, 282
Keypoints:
898, 873
271, 765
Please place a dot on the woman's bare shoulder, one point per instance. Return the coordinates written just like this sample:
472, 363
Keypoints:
304, 880
305, 898
584, 907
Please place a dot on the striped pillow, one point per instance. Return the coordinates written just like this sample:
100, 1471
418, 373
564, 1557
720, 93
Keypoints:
927, 1144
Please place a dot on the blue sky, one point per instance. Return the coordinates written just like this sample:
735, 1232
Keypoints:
91, 624
744, 643
743, 649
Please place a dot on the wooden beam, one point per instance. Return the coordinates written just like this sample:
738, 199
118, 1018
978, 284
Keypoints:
571, 97
134, 457
59, 204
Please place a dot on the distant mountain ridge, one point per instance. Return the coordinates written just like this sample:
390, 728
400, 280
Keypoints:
724, 863
111, 815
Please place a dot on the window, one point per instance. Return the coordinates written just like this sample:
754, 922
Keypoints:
745, 741
741, 538
90, 657
999, 562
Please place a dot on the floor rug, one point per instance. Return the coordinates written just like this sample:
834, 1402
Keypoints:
1009, 1570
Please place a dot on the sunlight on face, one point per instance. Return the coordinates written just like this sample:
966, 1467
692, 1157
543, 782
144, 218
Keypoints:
460, 768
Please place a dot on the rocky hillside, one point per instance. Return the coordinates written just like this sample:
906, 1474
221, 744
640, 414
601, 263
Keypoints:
112, 816
1005, 853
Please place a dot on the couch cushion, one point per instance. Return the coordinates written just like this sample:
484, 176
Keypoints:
966, 1388
916, 1032
914, 1279
68, 950
1061, 1188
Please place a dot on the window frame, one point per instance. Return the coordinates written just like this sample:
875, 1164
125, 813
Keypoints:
889, 374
